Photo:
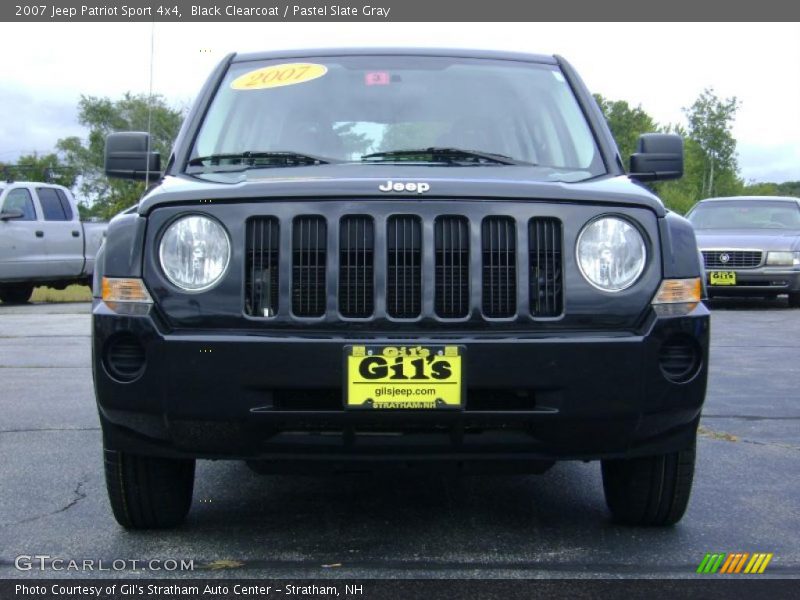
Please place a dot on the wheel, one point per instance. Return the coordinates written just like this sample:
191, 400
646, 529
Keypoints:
148, 492
16, 294
653, 490
794, 299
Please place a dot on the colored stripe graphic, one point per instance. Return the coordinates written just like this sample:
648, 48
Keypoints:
730, 563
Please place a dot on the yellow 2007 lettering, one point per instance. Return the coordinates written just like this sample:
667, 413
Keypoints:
279, 76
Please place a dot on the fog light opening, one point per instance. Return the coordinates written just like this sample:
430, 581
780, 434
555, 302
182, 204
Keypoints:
680, 358
124, 357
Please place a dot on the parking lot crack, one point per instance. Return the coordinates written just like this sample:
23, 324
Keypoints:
77, 495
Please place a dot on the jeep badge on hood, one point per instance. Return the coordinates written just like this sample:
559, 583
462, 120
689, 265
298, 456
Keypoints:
411, 186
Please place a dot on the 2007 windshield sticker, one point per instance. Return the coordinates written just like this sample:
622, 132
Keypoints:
279, 76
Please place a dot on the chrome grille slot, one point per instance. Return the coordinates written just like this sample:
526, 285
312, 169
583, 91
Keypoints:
545, 263
732, 259
261, 269
499, 267
451, 243
403, 266
356, 268
309, 238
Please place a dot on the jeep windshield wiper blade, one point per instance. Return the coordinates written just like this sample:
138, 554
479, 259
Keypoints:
250, 159
446, 155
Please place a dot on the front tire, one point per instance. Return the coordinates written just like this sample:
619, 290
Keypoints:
148, 492
16, 294
653, 490
794, 299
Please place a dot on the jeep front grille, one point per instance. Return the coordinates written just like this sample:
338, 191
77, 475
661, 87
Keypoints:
545, 277
499, 267
309, 244
404, 267
451, 248
356, 274
261, 256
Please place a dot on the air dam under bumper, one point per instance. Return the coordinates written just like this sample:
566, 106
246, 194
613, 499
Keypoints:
277, 397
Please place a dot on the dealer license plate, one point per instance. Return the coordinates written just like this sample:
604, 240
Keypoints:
404, 377
722, 278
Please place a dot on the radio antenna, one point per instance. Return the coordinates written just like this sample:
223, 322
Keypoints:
150, 107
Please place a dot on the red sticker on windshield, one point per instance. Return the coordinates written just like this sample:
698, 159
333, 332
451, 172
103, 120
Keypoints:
377, 78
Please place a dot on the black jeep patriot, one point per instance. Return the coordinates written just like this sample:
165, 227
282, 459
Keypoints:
398, 257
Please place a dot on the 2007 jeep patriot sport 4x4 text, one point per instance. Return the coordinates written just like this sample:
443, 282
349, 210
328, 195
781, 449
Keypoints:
431, 257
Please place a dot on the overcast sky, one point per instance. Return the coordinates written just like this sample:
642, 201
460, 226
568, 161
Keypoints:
663, 67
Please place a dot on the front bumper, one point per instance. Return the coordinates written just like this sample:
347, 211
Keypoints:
275, 396
757, 282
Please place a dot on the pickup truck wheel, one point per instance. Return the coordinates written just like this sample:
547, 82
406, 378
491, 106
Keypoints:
794, 299
653, 490
148, 492
16, 294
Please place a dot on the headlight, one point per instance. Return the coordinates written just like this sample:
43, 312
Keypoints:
194, 252
611, 253
783, 259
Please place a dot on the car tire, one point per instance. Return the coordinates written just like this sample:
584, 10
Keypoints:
16, 294
794, 299
652, 490
148, 492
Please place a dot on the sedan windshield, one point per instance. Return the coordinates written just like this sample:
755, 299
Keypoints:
400, 110
746, 214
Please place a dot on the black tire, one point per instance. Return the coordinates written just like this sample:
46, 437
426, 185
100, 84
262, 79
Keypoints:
794, 299
652, 490
16, 294
148, 492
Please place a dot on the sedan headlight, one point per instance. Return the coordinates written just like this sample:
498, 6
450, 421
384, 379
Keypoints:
194, 252
783, 259
611, 253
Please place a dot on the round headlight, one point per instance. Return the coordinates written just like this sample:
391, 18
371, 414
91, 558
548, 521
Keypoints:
194, 252
611, 253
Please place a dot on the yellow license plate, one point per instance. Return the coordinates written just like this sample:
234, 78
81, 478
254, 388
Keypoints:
404, 377
722, 278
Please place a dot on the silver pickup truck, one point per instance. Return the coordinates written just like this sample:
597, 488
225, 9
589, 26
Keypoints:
42, 240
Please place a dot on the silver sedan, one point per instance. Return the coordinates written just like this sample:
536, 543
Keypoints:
750, 245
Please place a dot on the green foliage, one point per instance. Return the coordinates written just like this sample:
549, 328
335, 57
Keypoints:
710, 126
40, 167
710, 166
788, 188
626, 123
103, 116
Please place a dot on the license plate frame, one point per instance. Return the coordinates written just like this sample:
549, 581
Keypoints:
721, 278
379, 392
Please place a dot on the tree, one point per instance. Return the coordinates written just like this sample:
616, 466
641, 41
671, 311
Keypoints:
133, 112
41, 167
627, 123
710, 126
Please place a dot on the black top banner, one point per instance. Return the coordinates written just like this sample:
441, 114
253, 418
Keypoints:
399, 10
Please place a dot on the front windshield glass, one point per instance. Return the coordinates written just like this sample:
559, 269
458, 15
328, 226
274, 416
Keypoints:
343, 108
746, 214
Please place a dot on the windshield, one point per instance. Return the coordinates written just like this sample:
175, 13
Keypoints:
746, 214
340, 109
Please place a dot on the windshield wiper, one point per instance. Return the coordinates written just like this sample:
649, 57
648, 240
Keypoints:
250, 159
446, 155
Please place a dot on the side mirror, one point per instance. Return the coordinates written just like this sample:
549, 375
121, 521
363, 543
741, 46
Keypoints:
11, 214
659, 156
127, 157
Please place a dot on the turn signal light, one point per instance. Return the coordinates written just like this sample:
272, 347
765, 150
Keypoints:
116, 289
675, 291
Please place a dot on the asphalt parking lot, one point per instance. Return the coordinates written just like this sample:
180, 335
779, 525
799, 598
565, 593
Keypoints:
746, 494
